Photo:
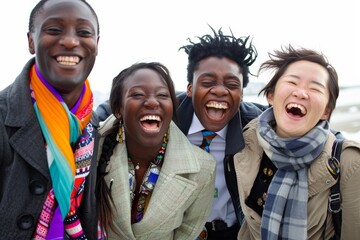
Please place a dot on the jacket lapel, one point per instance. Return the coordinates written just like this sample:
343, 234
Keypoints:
26, 138
171, 192
117, 178
234, 136
185, 109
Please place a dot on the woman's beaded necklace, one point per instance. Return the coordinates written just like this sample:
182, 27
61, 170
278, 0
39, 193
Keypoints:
149, 180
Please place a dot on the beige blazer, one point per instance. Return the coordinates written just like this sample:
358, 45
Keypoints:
247, 164
181, 200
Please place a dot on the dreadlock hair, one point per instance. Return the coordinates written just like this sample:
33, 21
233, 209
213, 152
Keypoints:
239, 50
281, 59
103, 191
39, 7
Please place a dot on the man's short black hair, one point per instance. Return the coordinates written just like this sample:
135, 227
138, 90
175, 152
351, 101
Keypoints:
39, 6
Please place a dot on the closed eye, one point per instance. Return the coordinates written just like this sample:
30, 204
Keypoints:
292, 83
136, 94
208, 84
316, 90
53, 31
163, 95
232, 85
85, 33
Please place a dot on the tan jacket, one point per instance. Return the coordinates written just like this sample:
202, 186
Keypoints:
247, 163
183, 194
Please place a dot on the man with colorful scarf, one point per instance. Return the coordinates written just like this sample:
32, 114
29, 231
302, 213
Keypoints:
47, 141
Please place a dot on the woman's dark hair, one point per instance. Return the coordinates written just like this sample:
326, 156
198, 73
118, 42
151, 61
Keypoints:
239, 50
281, 59
103, 194
39, 6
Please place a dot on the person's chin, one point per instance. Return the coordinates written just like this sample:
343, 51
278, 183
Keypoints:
214, 125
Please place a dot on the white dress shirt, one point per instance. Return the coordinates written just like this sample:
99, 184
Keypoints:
222, 208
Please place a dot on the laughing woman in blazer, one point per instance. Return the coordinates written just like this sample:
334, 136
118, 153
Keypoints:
152, 182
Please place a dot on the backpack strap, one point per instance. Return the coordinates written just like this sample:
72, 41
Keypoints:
335, 197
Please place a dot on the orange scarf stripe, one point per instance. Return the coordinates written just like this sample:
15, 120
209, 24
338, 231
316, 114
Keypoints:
55, 115
55, 118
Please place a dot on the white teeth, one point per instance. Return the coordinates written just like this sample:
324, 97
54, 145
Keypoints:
68, 60
150, 117
294, 105
217, 105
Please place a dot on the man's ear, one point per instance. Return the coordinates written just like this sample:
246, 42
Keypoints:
189, 90
97, 43
31, 43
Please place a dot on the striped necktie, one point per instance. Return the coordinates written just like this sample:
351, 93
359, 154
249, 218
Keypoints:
208, 136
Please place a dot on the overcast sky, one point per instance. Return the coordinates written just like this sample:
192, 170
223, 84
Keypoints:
143, 30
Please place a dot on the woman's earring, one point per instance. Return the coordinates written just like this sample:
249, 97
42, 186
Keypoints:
120, 136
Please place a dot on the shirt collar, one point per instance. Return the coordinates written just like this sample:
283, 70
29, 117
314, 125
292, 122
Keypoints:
196, 126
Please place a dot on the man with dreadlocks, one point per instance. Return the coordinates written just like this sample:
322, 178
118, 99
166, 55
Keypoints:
217, 72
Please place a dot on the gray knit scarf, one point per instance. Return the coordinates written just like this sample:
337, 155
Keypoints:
285, 210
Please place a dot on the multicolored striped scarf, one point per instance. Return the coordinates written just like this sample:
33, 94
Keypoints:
285, 215
69, 147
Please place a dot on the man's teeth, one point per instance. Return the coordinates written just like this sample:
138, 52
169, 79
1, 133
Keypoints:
150, 117
217, 105
68, 60
294, 105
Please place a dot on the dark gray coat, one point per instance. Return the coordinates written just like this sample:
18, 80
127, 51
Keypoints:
24, 173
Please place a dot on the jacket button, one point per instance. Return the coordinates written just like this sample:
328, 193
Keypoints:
37, 187
25, 222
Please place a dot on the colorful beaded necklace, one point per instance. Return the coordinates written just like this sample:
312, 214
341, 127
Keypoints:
149, 180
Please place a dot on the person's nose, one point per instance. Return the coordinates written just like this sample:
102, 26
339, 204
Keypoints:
301, 93
219, 90
151, 102
70, 40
